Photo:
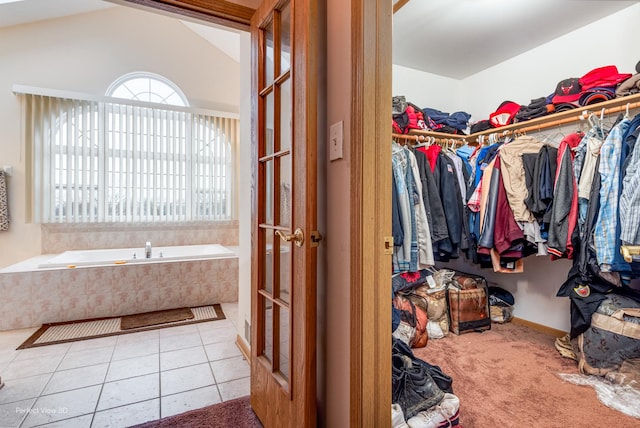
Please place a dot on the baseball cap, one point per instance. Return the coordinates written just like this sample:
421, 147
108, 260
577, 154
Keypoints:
504, 114
567, 91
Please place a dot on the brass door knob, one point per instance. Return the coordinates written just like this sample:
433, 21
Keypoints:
297, 237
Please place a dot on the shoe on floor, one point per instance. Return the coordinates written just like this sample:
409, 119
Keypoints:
397, 417
445, 414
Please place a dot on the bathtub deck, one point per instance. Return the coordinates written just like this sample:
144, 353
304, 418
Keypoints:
34, 297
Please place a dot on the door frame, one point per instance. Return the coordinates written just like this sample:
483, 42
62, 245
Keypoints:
371, 31
370, 178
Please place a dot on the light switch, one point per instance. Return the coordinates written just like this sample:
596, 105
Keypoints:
335, 141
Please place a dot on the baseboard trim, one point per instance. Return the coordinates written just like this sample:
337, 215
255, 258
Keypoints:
539, 327
244, 349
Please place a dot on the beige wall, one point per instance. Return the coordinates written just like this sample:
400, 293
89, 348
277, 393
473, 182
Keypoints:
244, 189
86, 53
337, 312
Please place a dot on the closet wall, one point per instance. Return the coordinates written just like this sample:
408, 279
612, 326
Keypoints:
611, 40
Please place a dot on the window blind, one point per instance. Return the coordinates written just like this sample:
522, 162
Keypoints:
120, 161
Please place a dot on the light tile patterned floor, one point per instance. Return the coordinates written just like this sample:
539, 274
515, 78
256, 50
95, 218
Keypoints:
123, 380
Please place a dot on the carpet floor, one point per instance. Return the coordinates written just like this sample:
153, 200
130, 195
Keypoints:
228, 414
509, 377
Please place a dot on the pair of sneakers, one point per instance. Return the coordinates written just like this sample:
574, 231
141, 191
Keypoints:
443, 415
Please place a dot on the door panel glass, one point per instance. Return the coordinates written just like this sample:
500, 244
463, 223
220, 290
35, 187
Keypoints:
285, 272
268, 191
268, 330
285, 190
268, 261
269, 118
268, 58
284, 342
285, 39
285, 115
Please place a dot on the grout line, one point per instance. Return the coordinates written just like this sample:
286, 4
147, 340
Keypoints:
95, 409
159, 381
213, 375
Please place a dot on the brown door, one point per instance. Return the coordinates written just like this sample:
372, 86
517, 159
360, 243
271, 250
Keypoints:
283, 341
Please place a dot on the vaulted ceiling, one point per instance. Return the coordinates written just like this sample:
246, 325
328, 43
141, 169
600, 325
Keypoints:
452, 38
458, 38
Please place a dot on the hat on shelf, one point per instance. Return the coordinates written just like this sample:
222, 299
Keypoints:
567, 91
504, 114
603, 76
565, 106
597, 95
638, 67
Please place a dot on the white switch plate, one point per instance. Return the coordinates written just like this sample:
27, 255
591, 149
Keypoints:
335, 141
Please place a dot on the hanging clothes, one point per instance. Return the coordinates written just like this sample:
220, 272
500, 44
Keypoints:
564, 213
431, 198
630, 196
405, 257
416, 251
513, 174
607, 235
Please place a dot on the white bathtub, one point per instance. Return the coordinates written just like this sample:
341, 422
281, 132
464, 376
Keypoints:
121, 256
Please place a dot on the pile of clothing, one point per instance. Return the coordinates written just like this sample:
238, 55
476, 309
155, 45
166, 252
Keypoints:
598, 85
408, 116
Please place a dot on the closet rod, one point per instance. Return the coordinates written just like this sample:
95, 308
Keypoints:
429, 139
572, 119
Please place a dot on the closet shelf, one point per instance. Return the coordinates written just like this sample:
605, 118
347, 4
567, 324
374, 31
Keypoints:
435, 134
566, 117
556, 119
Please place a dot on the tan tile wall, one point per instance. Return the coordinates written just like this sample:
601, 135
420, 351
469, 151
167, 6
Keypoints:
57, 238
30, 299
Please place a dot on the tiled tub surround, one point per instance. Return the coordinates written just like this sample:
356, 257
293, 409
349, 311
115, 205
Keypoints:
33, 297
57, 238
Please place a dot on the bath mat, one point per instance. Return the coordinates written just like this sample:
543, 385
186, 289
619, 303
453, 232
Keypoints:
73, 331
156, 317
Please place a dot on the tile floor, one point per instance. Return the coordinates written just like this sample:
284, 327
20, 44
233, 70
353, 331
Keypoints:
122, 380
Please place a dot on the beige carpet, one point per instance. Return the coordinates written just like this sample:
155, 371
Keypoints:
53, 333
510, 377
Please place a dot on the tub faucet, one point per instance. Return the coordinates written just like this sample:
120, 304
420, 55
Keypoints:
147, 249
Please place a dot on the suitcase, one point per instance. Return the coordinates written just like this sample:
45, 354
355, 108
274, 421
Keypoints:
468, 307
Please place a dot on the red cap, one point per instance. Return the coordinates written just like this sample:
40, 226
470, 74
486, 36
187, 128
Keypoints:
567, 91
504, 114
603, 76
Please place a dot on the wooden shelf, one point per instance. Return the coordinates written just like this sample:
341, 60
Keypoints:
576, 115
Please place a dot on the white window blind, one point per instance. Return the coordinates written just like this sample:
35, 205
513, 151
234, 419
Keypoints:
112, 160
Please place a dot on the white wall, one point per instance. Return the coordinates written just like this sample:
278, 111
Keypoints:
609, 41
86, 53
533, 74
427, 89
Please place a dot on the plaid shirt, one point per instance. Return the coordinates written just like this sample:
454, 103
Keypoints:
474, 201
606, 240
630, 201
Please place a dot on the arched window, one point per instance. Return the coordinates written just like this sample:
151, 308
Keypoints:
126, 158
150, 87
